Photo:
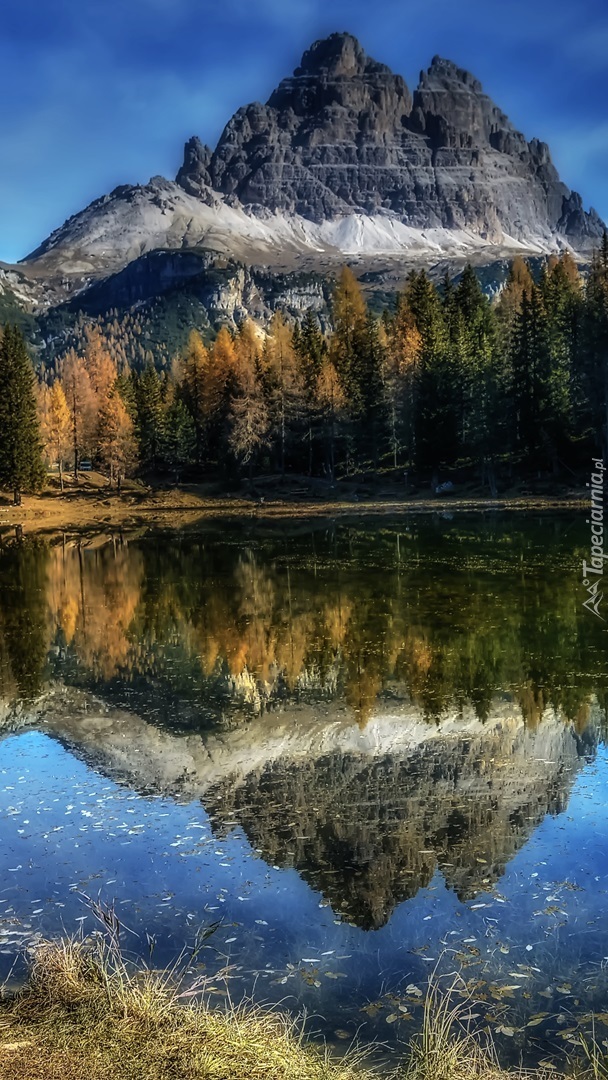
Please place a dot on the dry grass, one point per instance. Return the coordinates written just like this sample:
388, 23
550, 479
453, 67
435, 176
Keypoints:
446, 1048
87, 1014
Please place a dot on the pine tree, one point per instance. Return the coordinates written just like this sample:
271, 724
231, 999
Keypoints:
371, 417
563, 303
150, 413
21, 464
435, 427
311, 348
349, 318
594, 348
474, 371
401, 362
530, 364
179, 437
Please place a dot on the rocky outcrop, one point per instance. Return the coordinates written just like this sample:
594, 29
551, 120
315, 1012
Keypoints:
194, 174
228, 292
344, 133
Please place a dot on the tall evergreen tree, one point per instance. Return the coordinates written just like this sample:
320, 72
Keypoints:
401, 363
563, 304
371, 418
435, 429
21, 460
179, 437
474, 344
310, 348
530, 365
349, 317
595, 349
150, 417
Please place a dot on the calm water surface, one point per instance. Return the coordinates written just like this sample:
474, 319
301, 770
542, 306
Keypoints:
366, 753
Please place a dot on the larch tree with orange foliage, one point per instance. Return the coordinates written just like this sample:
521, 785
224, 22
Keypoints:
116, 439
220, 382
102, 373
80, 400
249, 419
193, 377
285, 383
332, 404
55, 425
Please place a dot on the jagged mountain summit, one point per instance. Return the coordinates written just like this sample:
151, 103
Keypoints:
342, 161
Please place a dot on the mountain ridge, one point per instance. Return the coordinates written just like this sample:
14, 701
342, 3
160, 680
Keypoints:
342, 163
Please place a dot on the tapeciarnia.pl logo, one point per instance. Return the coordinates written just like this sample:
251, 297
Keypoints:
593, 571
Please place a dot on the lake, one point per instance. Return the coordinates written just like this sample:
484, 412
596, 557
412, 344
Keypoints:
362, 755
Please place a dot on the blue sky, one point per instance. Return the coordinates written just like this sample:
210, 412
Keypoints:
101, 92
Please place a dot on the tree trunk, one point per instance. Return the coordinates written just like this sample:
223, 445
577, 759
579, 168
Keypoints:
17, 497
75, 438
61, 475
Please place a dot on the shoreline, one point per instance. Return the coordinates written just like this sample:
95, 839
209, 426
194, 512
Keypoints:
176, 508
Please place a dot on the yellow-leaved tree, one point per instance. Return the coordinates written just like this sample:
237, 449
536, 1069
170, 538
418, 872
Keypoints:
331, 399
55, 425
248, 417
285, 381
80, 400
117, 445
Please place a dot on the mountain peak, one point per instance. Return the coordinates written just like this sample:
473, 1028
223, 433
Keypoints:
337, 56
446, 75
342, 160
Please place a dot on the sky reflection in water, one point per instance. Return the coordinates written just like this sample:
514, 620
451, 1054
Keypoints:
347, 843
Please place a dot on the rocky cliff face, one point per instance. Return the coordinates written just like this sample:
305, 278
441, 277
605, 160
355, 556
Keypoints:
343, 161
345, 134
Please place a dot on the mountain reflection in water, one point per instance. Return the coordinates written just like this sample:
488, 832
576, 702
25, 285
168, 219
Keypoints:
369, 706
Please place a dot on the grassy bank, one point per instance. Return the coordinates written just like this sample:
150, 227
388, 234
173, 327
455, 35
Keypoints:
85, 1014
90, 504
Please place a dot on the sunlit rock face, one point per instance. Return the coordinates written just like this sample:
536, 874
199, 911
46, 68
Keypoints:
343, 160
344, 133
